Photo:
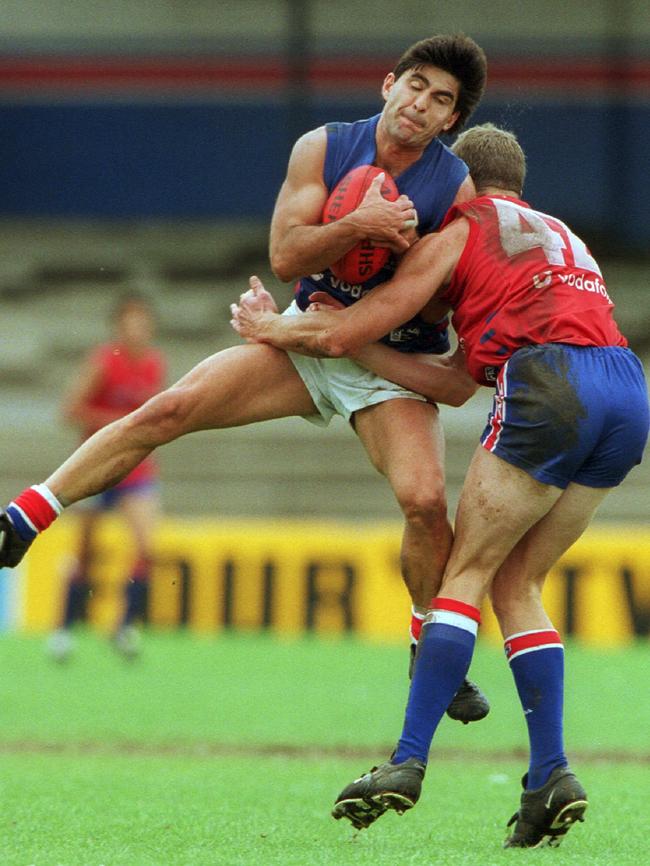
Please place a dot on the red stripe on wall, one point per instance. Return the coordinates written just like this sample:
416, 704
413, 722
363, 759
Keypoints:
54, 72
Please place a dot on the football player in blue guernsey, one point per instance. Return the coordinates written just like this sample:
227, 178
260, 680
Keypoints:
433, 89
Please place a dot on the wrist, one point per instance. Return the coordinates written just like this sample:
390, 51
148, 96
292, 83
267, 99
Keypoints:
264, 324
355, 230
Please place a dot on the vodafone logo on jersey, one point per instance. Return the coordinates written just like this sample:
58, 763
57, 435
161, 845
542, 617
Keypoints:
585, 283
355, 291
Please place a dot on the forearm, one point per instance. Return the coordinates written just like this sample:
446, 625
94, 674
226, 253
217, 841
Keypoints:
305, 333
90, 418
310, 249
433, 376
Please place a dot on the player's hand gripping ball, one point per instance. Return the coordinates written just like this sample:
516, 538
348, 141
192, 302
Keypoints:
365, 259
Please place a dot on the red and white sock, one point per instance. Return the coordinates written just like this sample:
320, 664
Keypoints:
531, 641
33, 511
417, 618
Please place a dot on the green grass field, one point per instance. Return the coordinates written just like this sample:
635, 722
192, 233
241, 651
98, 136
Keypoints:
231, 751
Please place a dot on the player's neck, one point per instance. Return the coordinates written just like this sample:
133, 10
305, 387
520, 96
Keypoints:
394, 156
496, 190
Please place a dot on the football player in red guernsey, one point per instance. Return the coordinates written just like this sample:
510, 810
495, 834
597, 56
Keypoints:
116, 378
569, 421
433, 89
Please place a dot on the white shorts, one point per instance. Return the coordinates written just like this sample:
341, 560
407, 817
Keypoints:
339, 386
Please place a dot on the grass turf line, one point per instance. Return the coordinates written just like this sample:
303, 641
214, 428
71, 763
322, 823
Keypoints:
251, 689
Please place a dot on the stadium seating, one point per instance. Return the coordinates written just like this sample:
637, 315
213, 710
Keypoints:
57, 284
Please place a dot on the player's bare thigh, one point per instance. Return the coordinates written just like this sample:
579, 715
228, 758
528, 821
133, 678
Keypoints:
498, 505
517, 586
241, 385
405, 442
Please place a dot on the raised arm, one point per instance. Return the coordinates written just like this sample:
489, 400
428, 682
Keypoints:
299, 243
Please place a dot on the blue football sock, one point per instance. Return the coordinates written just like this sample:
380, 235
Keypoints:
444, 654
537, 662
137, 597
76, 602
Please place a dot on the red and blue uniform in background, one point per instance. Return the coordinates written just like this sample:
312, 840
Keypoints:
127, 381
431, 183
534, 316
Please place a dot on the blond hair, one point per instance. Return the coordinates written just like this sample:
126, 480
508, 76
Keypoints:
494, 157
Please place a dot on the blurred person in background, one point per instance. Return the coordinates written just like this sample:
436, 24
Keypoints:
116, 378
433, 89
569, 421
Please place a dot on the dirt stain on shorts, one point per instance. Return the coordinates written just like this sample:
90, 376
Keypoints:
543, 403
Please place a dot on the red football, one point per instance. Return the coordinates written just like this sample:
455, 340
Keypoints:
365, 259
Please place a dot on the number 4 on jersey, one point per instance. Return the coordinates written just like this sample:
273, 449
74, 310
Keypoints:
522, 229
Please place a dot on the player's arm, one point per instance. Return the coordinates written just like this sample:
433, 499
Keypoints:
299, 243
77, 408
439, 378
423, 271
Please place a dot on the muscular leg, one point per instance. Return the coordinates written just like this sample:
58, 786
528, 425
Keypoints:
516, 591
234, 387
498, 505
533, 646
502, 509
405, 442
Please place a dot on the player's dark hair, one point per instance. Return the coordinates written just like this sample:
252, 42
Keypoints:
494, 157
461, 57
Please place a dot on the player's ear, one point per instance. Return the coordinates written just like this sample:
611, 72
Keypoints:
387, 85
452, 120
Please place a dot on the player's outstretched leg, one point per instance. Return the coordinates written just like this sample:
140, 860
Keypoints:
388, 786
546, 814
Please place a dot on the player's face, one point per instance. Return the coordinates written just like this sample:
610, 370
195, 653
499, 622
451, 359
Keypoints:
135, 325
420, 104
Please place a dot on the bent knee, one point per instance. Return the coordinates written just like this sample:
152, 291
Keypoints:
425, 506
508, 599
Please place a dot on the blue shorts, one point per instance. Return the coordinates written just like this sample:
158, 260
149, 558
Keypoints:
570, 413
111, 498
